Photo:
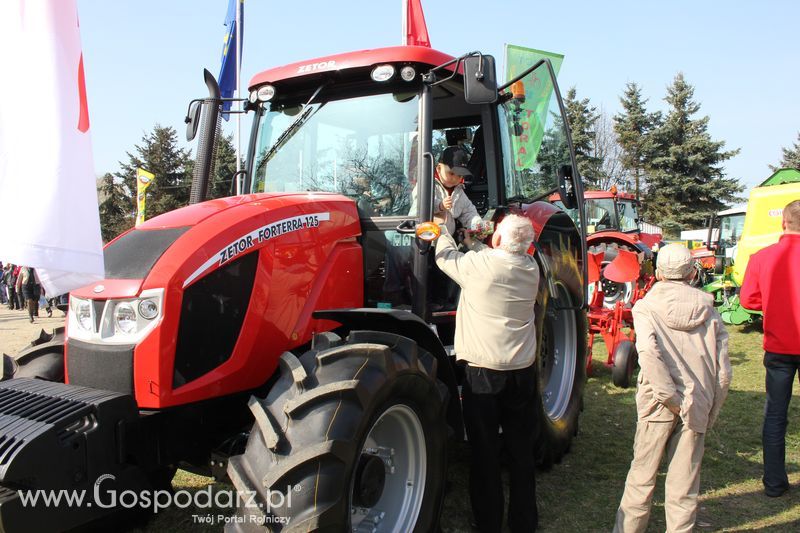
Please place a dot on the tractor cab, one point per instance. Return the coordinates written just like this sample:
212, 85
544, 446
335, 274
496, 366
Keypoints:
724, 231
607, 211
371, 126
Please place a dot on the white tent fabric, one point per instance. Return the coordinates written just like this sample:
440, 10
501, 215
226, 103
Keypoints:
49, 217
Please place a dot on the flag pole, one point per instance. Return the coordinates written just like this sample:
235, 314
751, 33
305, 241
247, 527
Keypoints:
404, 6
238, 93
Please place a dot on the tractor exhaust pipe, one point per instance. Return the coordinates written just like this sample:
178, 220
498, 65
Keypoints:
210, 129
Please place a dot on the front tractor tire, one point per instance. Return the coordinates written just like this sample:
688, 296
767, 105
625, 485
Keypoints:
351, 437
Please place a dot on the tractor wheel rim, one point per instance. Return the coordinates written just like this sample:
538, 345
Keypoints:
559, 349
398, 439
622, 291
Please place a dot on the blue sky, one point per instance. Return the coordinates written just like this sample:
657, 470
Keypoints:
144, 58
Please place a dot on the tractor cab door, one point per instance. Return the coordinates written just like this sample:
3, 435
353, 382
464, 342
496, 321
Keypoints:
538, 162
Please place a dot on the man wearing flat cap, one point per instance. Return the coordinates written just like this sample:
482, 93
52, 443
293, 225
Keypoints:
683, 381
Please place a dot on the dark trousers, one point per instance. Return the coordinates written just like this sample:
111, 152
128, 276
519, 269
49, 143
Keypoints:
493, 399
12, 298
781, 370
32, 295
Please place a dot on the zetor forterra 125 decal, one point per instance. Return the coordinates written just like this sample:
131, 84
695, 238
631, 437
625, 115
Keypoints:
258, 236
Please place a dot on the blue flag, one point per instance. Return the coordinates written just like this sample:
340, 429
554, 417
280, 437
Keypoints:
228, 68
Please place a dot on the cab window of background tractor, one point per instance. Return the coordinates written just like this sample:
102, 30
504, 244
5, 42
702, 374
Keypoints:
600, 214
533, 137
361, 147
731, 229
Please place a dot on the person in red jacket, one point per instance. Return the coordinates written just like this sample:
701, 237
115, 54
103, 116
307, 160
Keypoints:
772, 285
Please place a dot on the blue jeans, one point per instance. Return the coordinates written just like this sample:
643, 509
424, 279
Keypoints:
781, 369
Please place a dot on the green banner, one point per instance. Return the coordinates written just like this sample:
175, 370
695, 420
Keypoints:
538, 92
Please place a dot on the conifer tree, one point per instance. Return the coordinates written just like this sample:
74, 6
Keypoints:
224, 168
688, 182
582, 117
791, 157
116, 214
633, 127
159, 153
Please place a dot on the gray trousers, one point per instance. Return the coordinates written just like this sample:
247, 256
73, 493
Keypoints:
684, 449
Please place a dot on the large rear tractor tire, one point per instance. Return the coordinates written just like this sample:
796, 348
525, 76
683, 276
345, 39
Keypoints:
352, 437
561, 366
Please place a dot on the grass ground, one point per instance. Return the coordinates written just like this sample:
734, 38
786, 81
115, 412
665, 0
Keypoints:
582, 493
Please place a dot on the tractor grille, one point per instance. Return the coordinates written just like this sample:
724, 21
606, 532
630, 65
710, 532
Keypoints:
100, 366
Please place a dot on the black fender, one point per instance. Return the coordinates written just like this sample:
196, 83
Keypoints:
411, 326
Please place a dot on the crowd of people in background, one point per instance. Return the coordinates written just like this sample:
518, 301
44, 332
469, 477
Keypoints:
21, 289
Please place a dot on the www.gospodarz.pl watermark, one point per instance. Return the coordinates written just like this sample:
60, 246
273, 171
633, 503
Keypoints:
157, 500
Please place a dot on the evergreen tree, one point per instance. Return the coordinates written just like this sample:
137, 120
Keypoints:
116, 215
224, 168
582, 118
687, 182
791, 157
633, 127
159, 153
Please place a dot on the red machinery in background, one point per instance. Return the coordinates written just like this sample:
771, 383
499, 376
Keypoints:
615, 324
620, 271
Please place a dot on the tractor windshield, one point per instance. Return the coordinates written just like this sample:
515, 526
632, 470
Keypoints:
534, 139
628, 215
364, 148
600, 215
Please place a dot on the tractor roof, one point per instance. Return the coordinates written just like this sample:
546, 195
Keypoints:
362, 58
607, 194
781, 176
741, 209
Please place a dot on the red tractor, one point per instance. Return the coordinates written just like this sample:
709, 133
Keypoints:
620, 271
285, 339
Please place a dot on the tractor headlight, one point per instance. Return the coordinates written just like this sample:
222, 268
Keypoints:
83, 313
116, 321
148, 309
382, 73
125, 318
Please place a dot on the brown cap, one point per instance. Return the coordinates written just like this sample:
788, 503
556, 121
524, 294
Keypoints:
674, 261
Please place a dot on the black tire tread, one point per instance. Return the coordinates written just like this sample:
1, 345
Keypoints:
266, 423
292, 364
317, 394
307, 419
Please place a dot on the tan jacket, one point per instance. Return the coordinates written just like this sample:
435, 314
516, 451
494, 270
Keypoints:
495, 325
683, 355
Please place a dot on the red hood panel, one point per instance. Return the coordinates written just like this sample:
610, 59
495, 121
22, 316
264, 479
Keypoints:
110, 288
194, 214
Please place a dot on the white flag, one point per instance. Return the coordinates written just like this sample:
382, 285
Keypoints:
49, 217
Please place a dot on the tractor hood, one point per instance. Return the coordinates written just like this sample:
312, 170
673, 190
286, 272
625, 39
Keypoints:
179, 247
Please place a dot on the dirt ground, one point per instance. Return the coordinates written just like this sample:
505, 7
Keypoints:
16, 331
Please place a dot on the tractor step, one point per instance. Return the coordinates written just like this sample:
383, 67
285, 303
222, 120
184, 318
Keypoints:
58, 439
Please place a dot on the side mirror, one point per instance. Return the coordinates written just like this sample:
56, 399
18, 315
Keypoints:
566, 187
480, 80
192, 119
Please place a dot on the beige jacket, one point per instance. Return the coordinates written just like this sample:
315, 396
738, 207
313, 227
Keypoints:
495, 325
683, 355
